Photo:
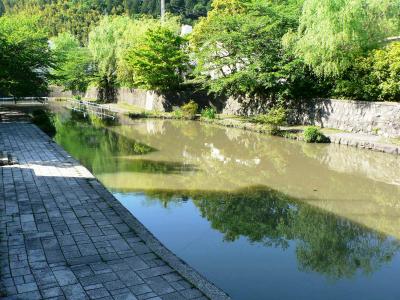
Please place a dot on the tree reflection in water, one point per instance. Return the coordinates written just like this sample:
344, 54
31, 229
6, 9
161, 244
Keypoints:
325, 243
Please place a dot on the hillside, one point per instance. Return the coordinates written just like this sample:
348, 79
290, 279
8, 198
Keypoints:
79, 16
189, 10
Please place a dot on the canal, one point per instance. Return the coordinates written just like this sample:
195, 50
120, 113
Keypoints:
261, 217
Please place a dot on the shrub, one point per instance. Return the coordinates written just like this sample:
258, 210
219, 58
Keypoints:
209, 113
312, 134
44, 121
189, 110
177, 113
273, 119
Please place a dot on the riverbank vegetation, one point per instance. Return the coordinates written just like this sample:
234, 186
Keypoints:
264, 53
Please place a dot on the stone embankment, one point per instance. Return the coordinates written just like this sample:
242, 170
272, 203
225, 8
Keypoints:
375, 118
357, 133
359, 140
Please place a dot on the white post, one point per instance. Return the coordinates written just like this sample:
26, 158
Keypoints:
162, 10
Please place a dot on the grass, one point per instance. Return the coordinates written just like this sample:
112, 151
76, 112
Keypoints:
129, 107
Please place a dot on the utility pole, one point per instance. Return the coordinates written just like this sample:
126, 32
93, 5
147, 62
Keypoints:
162, 10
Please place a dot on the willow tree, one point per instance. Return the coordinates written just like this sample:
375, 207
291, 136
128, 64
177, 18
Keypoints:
133, 37
74, 64
333, 33
103, 44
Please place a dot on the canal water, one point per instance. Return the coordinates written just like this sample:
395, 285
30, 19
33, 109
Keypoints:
261, 217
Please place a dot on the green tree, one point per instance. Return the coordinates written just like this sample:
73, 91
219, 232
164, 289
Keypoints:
333, 33
239, 52
160, 62
133, 36
25, 57
103, 44
73, 69
76, 17
189, 10
109, 43
374, 77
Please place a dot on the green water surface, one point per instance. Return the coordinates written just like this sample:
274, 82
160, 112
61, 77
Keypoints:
262, 217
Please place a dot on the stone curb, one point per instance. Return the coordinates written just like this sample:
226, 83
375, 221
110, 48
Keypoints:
378, 147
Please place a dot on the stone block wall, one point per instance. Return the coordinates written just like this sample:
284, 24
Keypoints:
382, 118
59, 92
147, 100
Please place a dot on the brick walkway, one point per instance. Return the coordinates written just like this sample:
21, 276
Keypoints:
64, 236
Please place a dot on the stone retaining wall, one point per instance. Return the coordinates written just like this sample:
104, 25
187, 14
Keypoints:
380, 118
148, 100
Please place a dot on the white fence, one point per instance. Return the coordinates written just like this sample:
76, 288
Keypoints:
23, 100
92, 108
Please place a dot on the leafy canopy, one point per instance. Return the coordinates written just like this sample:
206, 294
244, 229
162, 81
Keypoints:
25, 57
333, 33
160, 61
238, 49
373, 77
73, 69
104, 41
110, 43
133, 36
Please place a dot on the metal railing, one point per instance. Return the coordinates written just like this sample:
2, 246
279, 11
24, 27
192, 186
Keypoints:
23, 100
89, 107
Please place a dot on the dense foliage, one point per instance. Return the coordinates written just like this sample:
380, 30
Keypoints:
25, 56
78, 16
104, 42
373, 77
239, 51
160, 61
276, 116
209, 113
333, 33
73, 69
264, 53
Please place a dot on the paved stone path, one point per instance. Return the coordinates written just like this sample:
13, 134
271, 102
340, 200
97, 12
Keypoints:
64, 236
